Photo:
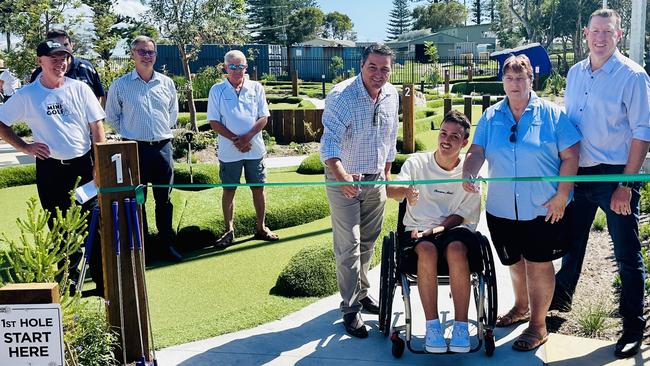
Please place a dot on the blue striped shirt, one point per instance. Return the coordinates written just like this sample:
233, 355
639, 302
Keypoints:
610, 106
358, 131
143, 111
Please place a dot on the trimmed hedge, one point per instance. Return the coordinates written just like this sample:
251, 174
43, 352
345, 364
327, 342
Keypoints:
397, 164
310, 272
18, 175
311, 165
419, 145
283, 99
486, 87
203, 174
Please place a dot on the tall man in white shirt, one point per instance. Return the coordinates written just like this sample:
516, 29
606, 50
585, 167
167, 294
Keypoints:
608, 99
237, 111
9, 83
63, 114
142, 106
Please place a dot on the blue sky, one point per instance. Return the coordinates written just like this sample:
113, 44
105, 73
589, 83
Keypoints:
370, 18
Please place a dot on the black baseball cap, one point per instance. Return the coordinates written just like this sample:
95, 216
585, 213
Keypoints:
50, 46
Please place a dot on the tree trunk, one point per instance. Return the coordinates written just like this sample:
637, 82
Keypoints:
189, 91
8, 41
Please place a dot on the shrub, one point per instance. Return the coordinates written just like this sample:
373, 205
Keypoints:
645, 198
89, 337
21, 129
200, 141
183, 118
311, 165
283, 99
419, 145
310, 272
204, 79
481, 87
555, 83
644, 232
600, 221
593, 320
268, 77
203, 174
397, 164
18, 175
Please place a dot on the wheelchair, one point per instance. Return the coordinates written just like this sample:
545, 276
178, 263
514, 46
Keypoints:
399, 268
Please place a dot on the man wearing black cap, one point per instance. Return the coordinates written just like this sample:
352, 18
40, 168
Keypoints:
81, 70
62, 114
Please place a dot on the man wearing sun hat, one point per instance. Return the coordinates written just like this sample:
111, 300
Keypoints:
65, 119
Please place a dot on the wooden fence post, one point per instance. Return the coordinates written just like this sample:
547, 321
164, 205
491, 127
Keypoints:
294, 83
485, 102
468, 108
408, 118
117, 164
446, 81
447, 106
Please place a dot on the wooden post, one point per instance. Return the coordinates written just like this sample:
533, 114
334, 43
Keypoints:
294, 83
30, 293
117, 165
446, 81
485, 102
447, 106
468, 108
470, 72
408, 120
254, 73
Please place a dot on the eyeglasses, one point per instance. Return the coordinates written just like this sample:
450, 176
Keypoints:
513, 133
237, 67
144, 53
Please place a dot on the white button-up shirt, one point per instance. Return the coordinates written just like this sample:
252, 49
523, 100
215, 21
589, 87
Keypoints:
140, 110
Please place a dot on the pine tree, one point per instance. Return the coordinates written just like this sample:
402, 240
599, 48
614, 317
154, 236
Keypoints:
269, 18
400, 19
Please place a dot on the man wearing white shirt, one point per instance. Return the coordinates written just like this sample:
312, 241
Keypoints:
9, 83
142, 106
237, 111
65, 118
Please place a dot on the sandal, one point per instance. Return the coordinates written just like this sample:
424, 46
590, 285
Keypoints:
511, 317
529, 340
266, 235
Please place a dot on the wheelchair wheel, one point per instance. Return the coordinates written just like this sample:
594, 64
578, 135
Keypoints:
490, 282
489, 342
398, 345
387, 282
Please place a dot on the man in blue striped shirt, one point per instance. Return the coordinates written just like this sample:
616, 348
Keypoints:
358, 143
608, 99
142, 106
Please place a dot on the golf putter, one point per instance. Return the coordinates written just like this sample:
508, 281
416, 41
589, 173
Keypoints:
88, 247
116, 234
138, 239
129, 224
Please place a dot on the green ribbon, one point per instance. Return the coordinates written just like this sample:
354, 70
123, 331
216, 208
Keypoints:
139, 189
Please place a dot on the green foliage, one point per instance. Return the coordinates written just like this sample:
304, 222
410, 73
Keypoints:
338, 26
400, 19
184, 119
419, 145
203, 173
18, 175
336, 65
397, 164
21, 129
205, 78
431, 51
644, 232
113, 69
310, 272
268, 77
87, 335
555, 84
593, 320
600, 221
481, 87
433, 77
645, 198
304, 24
439, 15
311, 165
33, 257
200, 141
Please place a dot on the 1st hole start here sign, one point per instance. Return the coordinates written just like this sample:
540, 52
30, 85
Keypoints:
31, 335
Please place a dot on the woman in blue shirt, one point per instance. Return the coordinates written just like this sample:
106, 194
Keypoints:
526, 136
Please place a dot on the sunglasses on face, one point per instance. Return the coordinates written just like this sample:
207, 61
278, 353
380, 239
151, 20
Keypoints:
237, 67
144, 53
513, 133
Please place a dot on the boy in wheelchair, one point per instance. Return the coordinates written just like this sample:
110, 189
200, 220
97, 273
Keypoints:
440, 220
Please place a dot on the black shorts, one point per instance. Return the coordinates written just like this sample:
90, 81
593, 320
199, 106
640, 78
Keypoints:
536, 240
462, 234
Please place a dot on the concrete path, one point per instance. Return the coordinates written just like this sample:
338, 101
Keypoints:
9, 156
315, 336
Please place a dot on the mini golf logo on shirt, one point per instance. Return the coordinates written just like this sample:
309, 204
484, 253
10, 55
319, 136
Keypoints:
57, 108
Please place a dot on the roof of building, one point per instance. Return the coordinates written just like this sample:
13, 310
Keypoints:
326, 42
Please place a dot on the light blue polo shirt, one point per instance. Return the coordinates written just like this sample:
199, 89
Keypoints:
610, 106
543, 131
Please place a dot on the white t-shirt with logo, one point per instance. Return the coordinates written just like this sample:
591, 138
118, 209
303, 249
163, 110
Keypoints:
238, 113
11, 83
440, 200
58, 117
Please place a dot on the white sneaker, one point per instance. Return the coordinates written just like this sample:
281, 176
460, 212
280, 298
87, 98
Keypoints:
459, 338
434, 341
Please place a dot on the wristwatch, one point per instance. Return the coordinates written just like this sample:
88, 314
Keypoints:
628, 184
